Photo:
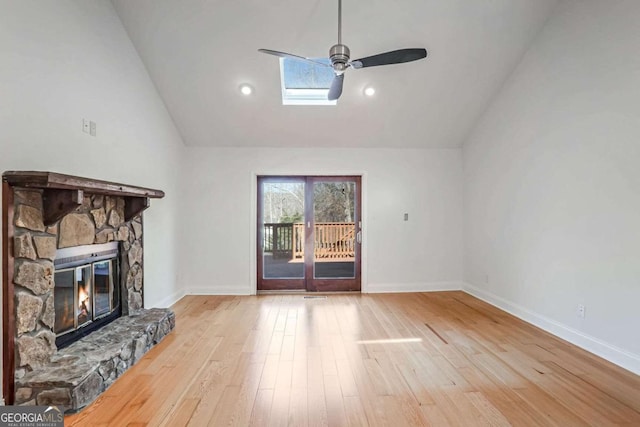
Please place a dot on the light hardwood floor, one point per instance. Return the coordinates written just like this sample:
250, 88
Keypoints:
417, 359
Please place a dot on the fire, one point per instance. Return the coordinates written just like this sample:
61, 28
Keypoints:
83, 304
83, 296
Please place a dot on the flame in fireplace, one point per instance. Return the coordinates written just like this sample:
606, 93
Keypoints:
83, 296
83, 299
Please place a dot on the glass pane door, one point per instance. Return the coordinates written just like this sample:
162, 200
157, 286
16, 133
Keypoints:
308, 233
282, 230
335, 231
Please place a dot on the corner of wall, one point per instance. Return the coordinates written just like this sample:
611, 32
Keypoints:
172, 299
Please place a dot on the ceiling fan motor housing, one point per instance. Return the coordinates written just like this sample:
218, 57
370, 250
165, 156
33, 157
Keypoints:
339, 55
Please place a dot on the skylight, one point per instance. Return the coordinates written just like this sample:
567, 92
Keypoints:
304, 83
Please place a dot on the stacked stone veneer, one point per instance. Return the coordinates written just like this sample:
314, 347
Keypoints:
100, 219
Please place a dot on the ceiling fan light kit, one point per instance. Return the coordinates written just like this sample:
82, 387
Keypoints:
340, 57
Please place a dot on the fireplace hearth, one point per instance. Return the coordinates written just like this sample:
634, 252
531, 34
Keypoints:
73, 287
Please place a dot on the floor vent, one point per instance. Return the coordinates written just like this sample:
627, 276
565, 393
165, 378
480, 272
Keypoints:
315, 297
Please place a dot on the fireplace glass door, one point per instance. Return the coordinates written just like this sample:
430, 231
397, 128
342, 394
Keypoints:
64, 297
84, 294
102, 288
73, 298
87, 290
84, 306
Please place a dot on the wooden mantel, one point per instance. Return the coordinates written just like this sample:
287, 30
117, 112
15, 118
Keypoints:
64, 193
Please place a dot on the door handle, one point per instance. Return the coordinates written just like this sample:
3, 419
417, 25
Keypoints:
359, 237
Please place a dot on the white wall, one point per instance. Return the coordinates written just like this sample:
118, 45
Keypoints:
552, 182
67, 60
421, 254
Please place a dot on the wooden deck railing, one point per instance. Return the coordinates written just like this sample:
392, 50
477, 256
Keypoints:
278, 239
332, 240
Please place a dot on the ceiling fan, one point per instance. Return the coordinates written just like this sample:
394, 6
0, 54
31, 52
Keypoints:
339, 55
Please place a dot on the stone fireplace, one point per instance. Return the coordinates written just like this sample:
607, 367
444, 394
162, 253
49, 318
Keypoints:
73, 287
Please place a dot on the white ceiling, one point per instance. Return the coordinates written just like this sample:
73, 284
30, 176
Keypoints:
199, 51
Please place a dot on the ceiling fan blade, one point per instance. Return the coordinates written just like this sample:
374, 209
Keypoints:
289, 55
336, 87
393, 57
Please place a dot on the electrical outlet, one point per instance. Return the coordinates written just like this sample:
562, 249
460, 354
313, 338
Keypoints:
92, 128
486, 279
580, 311
85, 126
406, 217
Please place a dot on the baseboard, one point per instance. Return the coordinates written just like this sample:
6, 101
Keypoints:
220, 290
613, 354
386, 288
171, 299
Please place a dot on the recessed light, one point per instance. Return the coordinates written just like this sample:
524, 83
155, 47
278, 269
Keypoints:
246, 89
369, 91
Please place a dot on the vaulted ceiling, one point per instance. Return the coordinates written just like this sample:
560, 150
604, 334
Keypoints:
198, 52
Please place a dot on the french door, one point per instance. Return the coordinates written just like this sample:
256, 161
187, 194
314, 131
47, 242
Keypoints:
309, 233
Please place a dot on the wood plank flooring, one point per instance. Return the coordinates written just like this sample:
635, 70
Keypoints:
441, 359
